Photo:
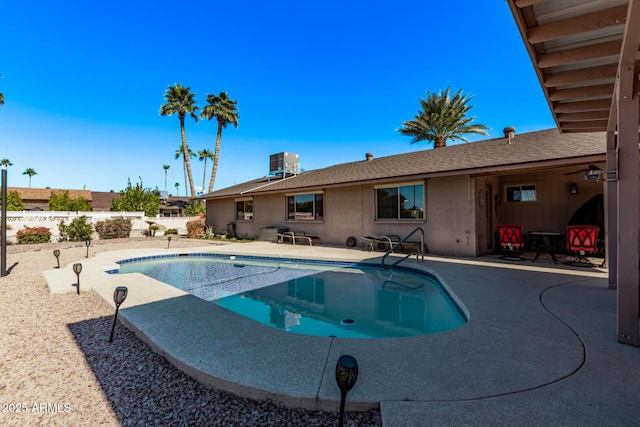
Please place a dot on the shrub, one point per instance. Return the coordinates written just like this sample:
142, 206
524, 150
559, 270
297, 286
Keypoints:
195, 228
78, 231
30, 235
171, 231
194, 208
209, 233
116, 228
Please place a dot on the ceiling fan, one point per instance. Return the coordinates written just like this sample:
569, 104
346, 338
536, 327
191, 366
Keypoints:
593, 172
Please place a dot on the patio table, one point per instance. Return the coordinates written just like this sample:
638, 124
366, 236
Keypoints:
546, 241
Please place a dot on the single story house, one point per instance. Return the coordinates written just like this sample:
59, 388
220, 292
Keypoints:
37, 199
173, 206
457, 194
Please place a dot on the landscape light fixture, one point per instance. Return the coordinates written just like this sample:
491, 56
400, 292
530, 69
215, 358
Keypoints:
77, 268
168, 242
119, 295
346, 376
87, 244
56, 253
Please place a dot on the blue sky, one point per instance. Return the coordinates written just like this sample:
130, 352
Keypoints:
329, 81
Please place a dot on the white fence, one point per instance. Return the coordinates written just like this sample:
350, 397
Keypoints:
17, 220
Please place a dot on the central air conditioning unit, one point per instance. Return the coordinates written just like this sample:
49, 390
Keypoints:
283, 164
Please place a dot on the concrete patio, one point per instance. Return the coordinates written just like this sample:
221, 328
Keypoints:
539, 349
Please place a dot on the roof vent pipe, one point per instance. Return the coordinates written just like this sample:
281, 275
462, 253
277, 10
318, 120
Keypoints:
509, 131
369, 156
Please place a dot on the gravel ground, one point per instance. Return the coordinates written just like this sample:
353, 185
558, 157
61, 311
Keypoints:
58, 368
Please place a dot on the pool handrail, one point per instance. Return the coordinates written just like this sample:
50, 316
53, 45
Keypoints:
419, 253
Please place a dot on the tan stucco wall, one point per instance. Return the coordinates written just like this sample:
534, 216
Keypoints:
554, 207
350, 211
456, 221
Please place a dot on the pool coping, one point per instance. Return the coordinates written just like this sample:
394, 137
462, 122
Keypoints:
233, 353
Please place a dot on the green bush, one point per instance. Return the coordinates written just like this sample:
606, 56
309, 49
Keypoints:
30, 235
61, 201
171, 231
78, 231
194, 208
195, 228
116, 228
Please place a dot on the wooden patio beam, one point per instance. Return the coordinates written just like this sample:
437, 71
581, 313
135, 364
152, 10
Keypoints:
583, 75
583, 116
580, 106
597, 91
584, 53
579, 24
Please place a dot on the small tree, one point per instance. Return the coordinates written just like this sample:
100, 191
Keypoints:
79, 230
136, 199
61, 201
14, 202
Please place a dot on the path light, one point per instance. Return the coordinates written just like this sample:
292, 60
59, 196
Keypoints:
77, 268
87, 243
56, 253
346, 376
119, 295
168, 242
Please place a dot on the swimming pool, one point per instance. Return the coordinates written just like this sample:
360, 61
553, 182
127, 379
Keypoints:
354, 300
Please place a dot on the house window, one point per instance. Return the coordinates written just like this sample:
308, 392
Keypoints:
400, 202
305, 207
522, 193
244, 210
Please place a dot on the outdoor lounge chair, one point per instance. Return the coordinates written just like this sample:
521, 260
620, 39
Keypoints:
300, 236
511, 241
582, 240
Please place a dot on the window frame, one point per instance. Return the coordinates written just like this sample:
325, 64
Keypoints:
398, 187
243, 200
521, 190
317, 203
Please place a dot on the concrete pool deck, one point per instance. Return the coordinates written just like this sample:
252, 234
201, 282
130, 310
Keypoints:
539, 349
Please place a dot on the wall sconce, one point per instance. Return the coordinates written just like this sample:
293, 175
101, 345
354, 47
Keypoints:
77, 268
346, 376
56, 253
573, 188
119, 295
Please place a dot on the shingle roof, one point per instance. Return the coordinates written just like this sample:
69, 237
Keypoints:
524, 150
44, 194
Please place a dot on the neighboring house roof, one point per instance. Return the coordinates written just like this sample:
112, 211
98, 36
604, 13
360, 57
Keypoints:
44, 194
527, 150
102, 200
174, 203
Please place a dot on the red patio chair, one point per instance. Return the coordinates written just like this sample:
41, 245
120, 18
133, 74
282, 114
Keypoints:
511, 241
582, 240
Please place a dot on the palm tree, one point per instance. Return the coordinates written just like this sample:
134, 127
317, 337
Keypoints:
225, 111
177, 185
31, 172
179, 153
204, 155
181, 101
5, 162
441, 118
166, 168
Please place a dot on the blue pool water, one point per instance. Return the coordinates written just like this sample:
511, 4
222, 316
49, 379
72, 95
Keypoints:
310, 297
